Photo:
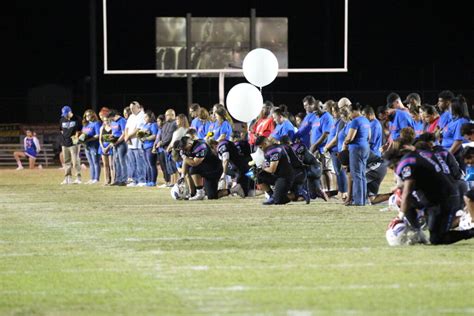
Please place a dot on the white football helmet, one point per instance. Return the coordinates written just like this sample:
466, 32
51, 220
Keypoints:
396, 233
400, 233
179, 191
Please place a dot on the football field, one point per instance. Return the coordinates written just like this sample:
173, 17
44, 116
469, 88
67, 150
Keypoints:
94, 250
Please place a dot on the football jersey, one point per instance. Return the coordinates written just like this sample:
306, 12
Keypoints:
278, 153
429, 174
228, 148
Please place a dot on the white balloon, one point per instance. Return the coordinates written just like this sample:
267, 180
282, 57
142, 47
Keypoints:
244, 102
260, 67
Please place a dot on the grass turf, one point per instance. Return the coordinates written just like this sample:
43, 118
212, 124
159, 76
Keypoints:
93, 250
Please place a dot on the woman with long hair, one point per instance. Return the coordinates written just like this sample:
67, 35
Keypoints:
452, 135
90, 138
222, 126
106, 146
204, 123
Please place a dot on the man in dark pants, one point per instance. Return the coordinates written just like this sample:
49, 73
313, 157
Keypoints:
163, 141
425, 175
276, 171
234, 163
202, 165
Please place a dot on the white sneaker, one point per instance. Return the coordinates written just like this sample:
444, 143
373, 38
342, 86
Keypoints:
164, 185
141, 184
40, 166
20, 168
131, 185
67, 180
77, 181
93, 181
199, 196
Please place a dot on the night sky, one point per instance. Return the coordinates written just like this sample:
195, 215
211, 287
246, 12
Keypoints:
404, 46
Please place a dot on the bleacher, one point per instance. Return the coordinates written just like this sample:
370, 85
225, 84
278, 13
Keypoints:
45, 156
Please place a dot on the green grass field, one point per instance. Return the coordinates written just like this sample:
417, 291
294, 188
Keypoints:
94, 250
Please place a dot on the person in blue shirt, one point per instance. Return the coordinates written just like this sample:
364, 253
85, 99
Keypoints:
399, 119
194, 114
90, 137
222, 128
444, 104
117, 124
202, 125
322, 125
304, 130
337, 135
283, 126
150, 128
417, 121
357, 140
376, 136
452, 132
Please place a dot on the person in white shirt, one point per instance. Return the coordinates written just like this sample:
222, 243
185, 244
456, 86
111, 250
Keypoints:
135, 154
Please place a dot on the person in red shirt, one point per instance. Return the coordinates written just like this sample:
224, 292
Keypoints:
264, 124
431, 118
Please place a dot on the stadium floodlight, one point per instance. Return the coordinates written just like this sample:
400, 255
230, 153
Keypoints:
108, 71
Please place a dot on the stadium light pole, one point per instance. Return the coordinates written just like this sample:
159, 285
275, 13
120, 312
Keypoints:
189, 77
253, 28
93, 53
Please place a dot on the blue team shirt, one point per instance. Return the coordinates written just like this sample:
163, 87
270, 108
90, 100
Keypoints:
444, 119
223, 128
419, 127
401, 120
92, 129
30, 146
452, 132
285, 128
333, 133
342, 136
194, 123
362, 125
304, 130
322, 124
376, 135
201, 127
118, 127
153, 128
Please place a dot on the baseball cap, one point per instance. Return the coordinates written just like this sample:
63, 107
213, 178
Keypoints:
412, 95
65, 111
392, 97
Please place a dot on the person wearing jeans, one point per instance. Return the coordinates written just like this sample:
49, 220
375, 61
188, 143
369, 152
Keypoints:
136, 154
91, 130
150, 129
341, 117
357, 140
118, 123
